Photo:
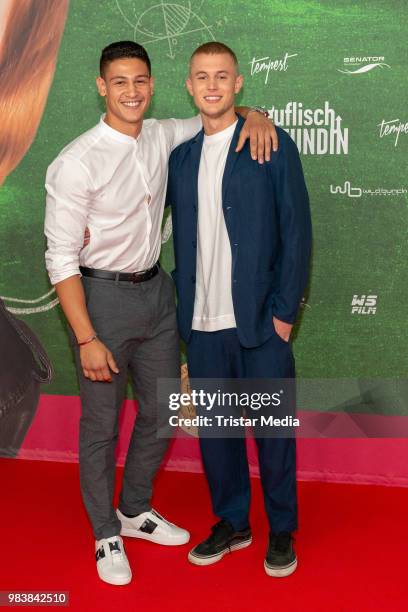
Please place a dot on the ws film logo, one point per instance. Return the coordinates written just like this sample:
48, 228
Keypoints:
264, 65
361, 65
364, 304
316, 131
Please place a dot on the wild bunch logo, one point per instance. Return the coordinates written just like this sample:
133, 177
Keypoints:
358, 192
316, 131
361, 65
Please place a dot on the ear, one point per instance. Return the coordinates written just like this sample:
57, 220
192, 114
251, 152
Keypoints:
239, 81
101, 85
189, 86
152, 83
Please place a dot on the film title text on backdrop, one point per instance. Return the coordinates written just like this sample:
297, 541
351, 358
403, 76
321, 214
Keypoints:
316, 131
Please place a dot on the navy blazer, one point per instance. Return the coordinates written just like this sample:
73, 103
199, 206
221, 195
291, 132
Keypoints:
267, 215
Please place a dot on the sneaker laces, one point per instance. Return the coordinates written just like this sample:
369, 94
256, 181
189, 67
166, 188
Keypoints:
219, 528
280, 541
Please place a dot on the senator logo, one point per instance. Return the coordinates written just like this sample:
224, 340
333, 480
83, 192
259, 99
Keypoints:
364, 304
316, 131
360, 65
358, 192
264, 65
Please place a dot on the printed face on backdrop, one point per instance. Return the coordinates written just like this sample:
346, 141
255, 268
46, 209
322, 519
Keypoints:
28, 30
127, 88
213, 83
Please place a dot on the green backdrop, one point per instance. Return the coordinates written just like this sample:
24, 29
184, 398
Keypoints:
348, 56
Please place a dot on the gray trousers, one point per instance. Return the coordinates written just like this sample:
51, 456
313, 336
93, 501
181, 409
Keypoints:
137, 322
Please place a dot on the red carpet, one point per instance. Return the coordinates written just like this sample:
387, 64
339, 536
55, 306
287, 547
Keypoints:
351, 547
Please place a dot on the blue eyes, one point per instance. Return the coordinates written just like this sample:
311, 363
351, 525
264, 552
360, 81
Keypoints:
222, 78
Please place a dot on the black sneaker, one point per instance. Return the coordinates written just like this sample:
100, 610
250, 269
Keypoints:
223, 539
280, 557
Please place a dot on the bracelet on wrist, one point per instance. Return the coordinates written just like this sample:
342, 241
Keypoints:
88, 340
259, 109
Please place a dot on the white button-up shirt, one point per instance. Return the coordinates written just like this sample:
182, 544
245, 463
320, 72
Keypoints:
116, 186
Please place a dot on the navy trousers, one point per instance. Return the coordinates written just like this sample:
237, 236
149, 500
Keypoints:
220, 355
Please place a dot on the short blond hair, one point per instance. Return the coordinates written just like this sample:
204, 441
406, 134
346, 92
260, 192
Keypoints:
214, 48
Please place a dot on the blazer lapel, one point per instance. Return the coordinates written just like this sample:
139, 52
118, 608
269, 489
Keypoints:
231, 158
196, 146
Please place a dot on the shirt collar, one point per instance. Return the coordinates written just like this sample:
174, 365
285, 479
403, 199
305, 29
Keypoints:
110, 131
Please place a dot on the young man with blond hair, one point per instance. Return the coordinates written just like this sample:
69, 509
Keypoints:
240, 276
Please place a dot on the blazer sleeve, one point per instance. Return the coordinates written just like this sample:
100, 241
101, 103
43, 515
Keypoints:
295, 230
170, 175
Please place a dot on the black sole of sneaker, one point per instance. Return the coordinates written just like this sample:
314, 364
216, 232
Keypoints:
196, 560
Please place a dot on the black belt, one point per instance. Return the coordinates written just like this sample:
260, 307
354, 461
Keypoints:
130, 277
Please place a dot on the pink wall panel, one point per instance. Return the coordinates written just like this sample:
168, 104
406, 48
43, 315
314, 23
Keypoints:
53, 436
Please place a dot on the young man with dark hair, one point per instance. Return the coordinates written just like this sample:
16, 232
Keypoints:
239, 276
119, 303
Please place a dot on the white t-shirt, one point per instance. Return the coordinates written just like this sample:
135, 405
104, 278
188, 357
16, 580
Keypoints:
213, 307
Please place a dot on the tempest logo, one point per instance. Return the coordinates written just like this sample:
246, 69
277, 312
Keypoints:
266, 64
393, 127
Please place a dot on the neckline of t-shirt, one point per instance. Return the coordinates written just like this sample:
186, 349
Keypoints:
223, 135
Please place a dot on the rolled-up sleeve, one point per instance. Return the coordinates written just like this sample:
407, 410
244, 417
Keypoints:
69, 192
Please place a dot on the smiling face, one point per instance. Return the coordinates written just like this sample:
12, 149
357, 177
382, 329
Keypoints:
213, 82
128, 88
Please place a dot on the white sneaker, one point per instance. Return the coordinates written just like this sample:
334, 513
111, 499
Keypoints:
153, 527
111, 561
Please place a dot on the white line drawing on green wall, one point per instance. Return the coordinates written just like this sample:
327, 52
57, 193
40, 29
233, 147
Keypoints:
54, 301
166, 21
31, 309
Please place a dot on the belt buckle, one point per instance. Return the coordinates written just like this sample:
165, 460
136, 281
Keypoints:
146, 274
135, 276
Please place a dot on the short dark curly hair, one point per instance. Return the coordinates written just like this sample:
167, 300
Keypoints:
123, 49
